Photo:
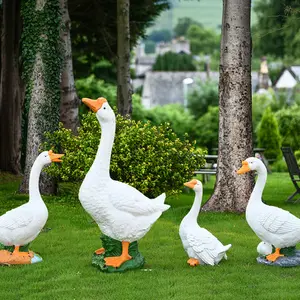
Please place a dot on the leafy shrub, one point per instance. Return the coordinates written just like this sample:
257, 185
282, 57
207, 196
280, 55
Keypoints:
181, 121
171, 61
289, 126
259, 103
150, 158
207, 129
204, 94
150, 47
268, 135
93, 87
279, 166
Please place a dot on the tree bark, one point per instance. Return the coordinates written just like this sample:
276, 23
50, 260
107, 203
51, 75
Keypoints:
69, 99
232, 191
124, 90
34, 135
11, 89
43, 87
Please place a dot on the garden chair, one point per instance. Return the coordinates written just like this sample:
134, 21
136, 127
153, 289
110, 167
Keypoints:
293, 170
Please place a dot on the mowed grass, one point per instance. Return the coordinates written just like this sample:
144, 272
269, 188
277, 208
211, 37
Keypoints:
71, 237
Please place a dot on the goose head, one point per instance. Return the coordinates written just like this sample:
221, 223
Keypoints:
194, 184
104, 112
47, 157
252, 164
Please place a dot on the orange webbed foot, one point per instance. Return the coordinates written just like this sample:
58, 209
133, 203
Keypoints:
99, 251
272, 257
193, 262
116, 261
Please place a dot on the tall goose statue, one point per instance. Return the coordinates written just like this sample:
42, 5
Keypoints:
273, 225
201, 246
121, 212
22, 225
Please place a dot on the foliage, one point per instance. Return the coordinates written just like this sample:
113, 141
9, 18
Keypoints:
204, 94
259, 103
289, 126
183, 25
94, 27
180, 121
162, 35
279, 166
203, 40
150, 158
207, 129
102, 68
171, 61
149, 47
278, 24
92, 87
268, 135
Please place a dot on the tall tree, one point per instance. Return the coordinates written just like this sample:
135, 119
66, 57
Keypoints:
10, 89
42, 61
235, 130
94, 28
69, 99
124, 90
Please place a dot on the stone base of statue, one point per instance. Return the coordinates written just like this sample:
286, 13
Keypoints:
114, 248
7, 257
291, 258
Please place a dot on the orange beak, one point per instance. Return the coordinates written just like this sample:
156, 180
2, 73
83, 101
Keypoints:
94, 105
55, 157
191, 183
244, 169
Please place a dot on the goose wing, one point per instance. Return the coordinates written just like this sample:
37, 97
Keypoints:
204, 244
277, 220
126, 198
16, 218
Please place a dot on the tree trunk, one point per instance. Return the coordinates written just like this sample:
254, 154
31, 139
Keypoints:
69, 99
232, 191
124, 90
42, 74
11, 89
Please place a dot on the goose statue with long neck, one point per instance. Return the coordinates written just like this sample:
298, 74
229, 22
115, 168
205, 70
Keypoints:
201, 246
121, 212
22, 225
272, 225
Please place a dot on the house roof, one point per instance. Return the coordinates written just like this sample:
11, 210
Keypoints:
288, 77
161, 88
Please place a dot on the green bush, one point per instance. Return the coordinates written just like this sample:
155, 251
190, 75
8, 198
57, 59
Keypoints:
207, 129
171, 61
268, 135
181, 121
204, 94
289, 126
279, 166
151, 158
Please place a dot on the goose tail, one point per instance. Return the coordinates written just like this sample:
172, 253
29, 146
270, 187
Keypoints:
160, 200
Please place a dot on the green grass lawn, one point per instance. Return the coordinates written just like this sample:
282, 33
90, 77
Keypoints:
67, 247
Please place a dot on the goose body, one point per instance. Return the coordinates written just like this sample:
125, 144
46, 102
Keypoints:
121, 211
22, 225
201, 246
271, 224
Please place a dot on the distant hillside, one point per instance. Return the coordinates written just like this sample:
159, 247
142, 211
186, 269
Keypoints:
207, 12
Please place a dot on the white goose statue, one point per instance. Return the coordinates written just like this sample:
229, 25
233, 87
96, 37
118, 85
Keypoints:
22, 225
121, 212
273, 225
201, 246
